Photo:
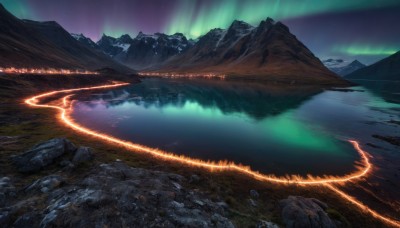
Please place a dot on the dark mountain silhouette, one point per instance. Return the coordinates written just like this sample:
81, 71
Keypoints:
25, 43
268, 52
144, 51
341, 67
387, 69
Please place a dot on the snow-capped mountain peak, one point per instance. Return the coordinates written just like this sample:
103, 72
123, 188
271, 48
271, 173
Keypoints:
85, 40
343, 67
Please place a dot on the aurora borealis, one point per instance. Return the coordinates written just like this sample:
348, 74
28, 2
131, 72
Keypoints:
362, 29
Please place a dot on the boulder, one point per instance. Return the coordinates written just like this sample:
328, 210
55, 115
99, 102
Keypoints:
82, 154
46, 184
4, 218
194, 179
29, 219
298, 211
42, 155
7, 190
254, 194
252, 203
266, 224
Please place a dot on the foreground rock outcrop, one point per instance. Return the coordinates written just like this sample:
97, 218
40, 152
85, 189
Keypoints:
43, 154
117, 195
298, 211
46, 153
109, 195
113, 195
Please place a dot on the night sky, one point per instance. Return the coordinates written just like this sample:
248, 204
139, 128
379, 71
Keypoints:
367, 30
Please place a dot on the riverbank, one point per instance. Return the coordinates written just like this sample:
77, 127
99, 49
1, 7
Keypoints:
28, 126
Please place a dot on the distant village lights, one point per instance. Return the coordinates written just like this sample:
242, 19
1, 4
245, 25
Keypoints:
13, 70
182, 75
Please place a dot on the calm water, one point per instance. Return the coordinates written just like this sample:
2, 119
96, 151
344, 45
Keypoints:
274, 130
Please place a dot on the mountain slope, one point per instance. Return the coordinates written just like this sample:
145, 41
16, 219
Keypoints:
268, 51
144, 50
114, 46
26, 43
85, 40
341, 67
386, 69
148, 50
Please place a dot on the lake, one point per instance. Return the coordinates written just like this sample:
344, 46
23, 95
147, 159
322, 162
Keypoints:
274, 129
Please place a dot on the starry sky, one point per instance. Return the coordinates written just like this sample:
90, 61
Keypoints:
367, 30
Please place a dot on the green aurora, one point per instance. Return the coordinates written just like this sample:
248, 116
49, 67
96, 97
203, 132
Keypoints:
193, 21
362, 49
194, 18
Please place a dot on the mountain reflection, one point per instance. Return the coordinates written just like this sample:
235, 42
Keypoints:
256, 100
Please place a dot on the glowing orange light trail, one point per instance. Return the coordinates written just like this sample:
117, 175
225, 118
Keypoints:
362, 206
221, 165
212, 166
65, 100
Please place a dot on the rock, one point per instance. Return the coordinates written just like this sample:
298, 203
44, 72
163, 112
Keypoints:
83, 154
252, 203
394, 140
298, 211
220, 221
7, 190
46, 184
42, 155
114, 195
223, 205
29, 219
4, 218
266, 224
6, 140
254, 194
65, 163
177, 186
194, 179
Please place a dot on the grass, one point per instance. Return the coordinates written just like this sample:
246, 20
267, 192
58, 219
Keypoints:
334, 214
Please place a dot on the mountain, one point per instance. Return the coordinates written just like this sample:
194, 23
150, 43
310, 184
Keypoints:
85, 40
342, 67
114, 46
144, 50
387, 69
382, 77
268, 52
149, 50
25, 43
335, 63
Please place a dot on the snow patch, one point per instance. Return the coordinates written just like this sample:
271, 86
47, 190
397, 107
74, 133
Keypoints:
124, 47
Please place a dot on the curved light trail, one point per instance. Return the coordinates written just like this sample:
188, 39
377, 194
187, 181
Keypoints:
363, 207
361, 171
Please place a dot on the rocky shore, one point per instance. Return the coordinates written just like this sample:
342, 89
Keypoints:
118, 195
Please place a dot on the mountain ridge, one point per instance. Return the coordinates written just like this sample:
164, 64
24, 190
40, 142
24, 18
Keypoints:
32, 44
385, 69
341, 67
268, 51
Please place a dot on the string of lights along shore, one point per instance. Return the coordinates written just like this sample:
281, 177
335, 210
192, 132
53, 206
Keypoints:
13, 70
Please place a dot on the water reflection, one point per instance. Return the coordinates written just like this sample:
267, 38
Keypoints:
265, 127
256, 100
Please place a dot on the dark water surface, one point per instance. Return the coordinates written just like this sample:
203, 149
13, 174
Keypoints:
273, 129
